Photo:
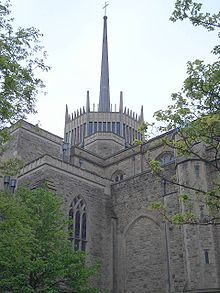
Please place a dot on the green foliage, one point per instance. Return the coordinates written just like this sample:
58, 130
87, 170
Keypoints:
180, 219
11, 167
145, 129
191, 10
35, 255
194, 121
21, 56
157, 205
155, 166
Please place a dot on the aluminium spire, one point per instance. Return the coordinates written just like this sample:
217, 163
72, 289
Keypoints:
104, 95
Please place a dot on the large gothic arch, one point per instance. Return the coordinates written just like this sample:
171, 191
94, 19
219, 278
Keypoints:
143, 253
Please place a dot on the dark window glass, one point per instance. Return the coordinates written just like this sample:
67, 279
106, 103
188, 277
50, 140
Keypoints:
130, 135
72, 137
118, 128
113, 127
124, 130
83, 248
206, 254
76, 244
100, 126
77, 224
127, 136
71, 214
197, 170
104, 126
81, 128
95, 127
84, 130
84, 226
166, 158
90, 128
109, 126
77, 229
78, 134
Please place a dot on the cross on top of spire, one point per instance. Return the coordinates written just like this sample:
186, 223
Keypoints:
105, 7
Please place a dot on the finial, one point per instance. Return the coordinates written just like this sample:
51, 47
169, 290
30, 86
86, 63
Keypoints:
66, 114
106, 4
121, 102
87, 103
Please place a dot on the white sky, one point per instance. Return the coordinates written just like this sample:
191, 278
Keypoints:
147, 52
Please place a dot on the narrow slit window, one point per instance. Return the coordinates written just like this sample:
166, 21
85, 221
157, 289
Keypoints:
206, 255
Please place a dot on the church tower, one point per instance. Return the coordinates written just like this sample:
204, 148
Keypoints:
104, 130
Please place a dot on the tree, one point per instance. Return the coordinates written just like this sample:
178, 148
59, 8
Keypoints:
194, 120
21, 58
35, 255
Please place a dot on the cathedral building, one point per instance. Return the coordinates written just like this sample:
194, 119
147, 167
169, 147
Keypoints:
107, 186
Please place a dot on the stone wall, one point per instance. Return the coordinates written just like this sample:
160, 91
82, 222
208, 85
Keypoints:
199, 240
144, 245
28, 143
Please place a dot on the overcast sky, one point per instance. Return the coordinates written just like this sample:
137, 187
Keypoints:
147, 52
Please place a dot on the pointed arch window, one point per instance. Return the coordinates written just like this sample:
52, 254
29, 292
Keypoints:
118, 176
77, 227
166, 158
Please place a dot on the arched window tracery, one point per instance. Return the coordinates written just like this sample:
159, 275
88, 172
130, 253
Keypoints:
118, 176
77, 227
166, 158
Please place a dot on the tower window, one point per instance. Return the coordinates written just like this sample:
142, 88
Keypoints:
109, 126
84, 130
95, 127
81, 129
127, 136
104, 126
67, 137
77, 227
118, 128
90, 128
100, 126
206, 255
72, 136
113, 127
124, 130
197, 170
77, 134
